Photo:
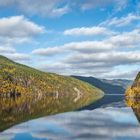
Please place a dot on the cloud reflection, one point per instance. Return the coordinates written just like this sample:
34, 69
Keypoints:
98, 124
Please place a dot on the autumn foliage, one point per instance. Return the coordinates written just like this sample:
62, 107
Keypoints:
132, 94
29, 93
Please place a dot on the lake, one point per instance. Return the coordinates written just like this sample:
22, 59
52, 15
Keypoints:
108, 99
111, 120
99, 124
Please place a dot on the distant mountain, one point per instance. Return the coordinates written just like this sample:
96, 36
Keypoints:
116, 86
120, 82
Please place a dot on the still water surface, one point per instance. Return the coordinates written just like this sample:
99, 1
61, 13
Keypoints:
99, 124
103, 123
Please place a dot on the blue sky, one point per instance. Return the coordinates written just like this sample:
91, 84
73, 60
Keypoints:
97, 38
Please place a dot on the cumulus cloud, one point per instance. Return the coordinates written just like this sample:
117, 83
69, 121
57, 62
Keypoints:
57, 8
89, 4
17, 30
13, 55
6, 50
123, 21
117, 58
102, 65
52, 8
96, 58
48, 51
119, 73
19, 57
7, 137
18, 26
86, 69
88, 31
85, 47
125, 40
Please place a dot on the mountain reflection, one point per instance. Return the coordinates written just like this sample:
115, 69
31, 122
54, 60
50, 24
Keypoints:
23, 108
132, 99
99, 124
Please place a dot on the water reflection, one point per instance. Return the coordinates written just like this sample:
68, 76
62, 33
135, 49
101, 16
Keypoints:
109, 123
22, 108
132, 99
98, 124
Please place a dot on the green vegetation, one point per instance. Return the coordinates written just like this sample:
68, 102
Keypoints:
137, 77
27, 93
132, 96
19, 79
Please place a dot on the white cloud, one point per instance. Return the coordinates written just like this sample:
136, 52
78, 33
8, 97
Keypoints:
51, 8
11, 53
86, 69
19, 57
119, 73
100, 124
17, 30
118, 22
7, 137
59, 11
85, 47
88, 31
111, 58
18, 26
124, 40
89, 4
96, 58
4, 50
102, 65
57, 8
48, 51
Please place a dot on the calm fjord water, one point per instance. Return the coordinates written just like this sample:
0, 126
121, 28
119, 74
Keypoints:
115, 122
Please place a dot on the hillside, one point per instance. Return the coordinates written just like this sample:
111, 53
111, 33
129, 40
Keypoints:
136, 101
27, 93
108, 86
136, 82
119, 82
132, 96
17, 79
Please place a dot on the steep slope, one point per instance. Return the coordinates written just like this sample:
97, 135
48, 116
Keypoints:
136, 100
132, 96
17, 79
136, 82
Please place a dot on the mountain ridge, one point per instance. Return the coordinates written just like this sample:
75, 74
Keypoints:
108, 86
27, 93
22, 79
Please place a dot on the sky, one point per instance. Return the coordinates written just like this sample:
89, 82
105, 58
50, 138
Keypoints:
99, 38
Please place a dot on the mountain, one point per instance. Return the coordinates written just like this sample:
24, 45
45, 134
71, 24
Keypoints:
136, 82
133, 96
17, 79
27, 93
116, 86
120, 82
